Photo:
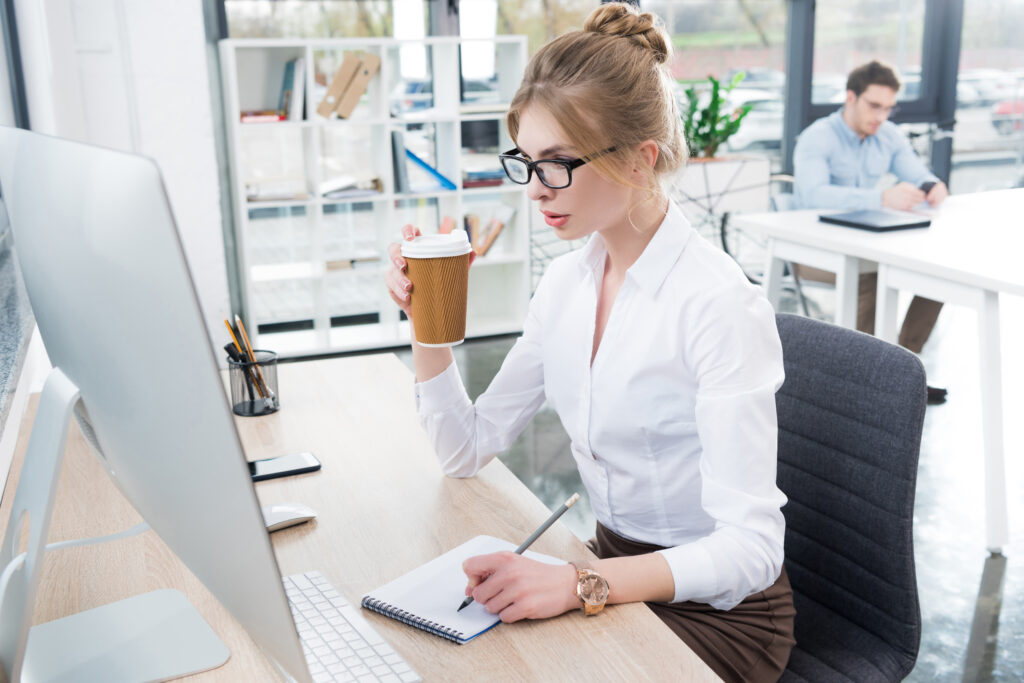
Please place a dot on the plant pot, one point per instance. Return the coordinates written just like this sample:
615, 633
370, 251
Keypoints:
733, 183
710, 188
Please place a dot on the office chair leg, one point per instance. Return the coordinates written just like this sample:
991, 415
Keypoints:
799, 289
722, 232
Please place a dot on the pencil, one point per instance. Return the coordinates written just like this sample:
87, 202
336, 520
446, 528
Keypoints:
535, 535
242, 353
252, 356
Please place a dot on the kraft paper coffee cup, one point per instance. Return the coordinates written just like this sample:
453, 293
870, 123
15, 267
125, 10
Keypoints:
438, 267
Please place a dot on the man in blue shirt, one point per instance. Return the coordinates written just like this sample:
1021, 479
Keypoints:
838, 162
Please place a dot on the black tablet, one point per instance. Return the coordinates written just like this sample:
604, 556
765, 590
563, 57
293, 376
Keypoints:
877, 220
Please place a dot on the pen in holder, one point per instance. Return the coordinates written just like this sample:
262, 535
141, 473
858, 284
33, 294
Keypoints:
254, 385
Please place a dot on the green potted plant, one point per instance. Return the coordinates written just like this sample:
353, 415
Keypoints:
712, 187
707, 127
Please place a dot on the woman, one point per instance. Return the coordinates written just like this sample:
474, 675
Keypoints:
661, 360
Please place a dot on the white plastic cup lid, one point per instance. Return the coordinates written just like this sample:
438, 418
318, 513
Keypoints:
455, 243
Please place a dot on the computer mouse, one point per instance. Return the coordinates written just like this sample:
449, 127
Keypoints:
284, 515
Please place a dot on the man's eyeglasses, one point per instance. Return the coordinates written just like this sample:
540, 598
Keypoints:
879, 109
553, 173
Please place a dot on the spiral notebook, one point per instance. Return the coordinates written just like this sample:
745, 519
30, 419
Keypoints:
428, 597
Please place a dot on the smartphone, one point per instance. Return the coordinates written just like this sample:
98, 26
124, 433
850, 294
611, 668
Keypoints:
283, 466
927, 186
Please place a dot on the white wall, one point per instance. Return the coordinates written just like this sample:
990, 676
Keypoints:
132, 75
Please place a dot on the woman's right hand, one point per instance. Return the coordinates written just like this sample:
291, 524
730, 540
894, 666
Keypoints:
398, 284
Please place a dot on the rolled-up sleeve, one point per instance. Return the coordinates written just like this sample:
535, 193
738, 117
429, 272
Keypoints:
737, 358
906, 165
467, 436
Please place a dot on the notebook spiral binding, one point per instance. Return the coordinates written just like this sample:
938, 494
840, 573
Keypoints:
387, 610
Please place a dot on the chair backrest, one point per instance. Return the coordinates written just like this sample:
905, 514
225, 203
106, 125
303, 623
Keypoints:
786, 200
850, 413
783, 201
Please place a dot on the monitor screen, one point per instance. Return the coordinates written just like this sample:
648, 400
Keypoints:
118, 314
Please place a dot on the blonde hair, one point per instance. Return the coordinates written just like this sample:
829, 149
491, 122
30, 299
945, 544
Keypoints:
609, 86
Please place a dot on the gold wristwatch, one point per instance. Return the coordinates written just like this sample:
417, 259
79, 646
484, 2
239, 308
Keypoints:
591, 589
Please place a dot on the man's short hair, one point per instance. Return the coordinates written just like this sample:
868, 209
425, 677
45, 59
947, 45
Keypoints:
872, 73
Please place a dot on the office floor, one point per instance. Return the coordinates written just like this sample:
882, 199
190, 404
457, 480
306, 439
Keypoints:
972, 604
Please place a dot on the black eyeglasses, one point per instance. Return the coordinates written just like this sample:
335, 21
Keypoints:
553, 173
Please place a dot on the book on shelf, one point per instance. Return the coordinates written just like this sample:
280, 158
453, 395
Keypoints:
447, 225
347, 185
485, 173
368, 66
471, 224
482, 239
398, 159
293, 89
298, 108
262, 116
352, 193
350, 263
482, 108
479, 163
342, 78
424, 115
482, 182
275, 190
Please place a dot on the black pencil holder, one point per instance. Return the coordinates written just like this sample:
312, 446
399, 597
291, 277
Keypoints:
254, 385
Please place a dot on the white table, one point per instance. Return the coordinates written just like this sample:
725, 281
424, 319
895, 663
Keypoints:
970, 254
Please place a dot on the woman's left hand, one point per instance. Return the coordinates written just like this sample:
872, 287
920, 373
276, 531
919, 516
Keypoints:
515, 587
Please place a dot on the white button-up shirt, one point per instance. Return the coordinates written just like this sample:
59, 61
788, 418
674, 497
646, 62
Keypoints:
673, 427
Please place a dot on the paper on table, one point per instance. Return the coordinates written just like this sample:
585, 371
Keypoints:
428, 597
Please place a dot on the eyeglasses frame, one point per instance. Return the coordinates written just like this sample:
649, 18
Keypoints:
531, 165
888, 112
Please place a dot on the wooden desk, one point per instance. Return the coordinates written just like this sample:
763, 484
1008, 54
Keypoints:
968, 256
384, 508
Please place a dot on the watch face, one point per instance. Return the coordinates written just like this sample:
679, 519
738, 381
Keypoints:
594, 589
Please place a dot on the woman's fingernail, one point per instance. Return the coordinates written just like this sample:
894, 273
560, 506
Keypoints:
407, 285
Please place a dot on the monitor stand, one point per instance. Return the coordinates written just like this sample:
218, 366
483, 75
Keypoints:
153, 636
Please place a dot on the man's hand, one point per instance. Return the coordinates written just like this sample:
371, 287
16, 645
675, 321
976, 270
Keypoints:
515, 587
937, 194
904, 196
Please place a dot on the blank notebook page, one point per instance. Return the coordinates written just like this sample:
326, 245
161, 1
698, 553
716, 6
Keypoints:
428, 597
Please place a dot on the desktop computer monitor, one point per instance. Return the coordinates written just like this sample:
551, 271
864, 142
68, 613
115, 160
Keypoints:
117, 311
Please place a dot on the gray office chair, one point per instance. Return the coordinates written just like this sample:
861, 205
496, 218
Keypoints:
850, 414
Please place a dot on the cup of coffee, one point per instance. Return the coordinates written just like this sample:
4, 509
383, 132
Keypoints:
438, 267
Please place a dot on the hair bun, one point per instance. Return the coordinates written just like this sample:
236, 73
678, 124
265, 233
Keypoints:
624, 20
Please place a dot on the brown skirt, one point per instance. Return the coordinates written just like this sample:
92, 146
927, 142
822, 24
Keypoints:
751, 642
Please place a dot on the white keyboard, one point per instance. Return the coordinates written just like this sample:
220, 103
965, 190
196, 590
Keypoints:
339, 644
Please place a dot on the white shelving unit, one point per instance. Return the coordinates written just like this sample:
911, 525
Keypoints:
312, 266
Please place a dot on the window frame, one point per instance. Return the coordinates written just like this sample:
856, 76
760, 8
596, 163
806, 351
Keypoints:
936, 104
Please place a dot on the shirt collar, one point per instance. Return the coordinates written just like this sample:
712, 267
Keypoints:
592, 255
650, 270
843, 128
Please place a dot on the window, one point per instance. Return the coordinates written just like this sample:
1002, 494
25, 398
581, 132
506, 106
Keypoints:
310, 18
722, 39
989, 136
848, 34
539, 20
